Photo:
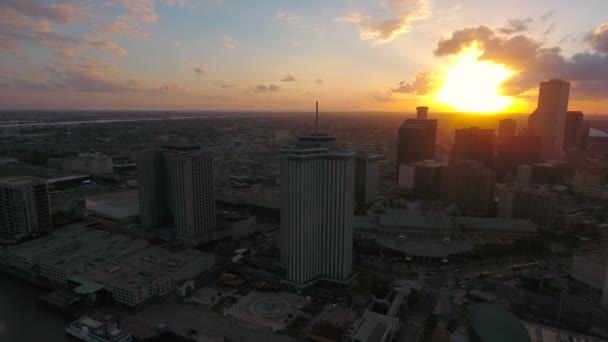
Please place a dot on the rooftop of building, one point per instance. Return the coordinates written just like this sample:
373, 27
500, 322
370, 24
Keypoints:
493, 323
415, 218
427, 248
117, 199
599, 256
22, 169
373, 327
96, 258
496, 224
16, 181
598, 133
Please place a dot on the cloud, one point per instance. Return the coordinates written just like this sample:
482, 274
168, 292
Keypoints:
87, 74
288, 78
531, 60
228, 42
261, 88
32, 22
516, 26
224, 85
402, 14
423, 83
319, 81
288, 17
122, 28
63, 12
599, 38
198, 71
166, 88
382, 97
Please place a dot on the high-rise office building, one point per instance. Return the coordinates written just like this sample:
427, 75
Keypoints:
24, 206
540, 205
549, 118
417, 138
605, 290
176, 188
574, 131
518, 150
506, 128
366, 177
317, 204
470, 185
427, 181
474, 144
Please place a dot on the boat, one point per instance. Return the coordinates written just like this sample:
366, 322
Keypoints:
90, 330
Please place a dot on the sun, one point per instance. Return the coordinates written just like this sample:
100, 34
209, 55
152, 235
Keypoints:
473, 86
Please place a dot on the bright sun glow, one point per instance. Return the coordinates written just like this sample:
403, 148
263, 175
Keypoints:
473, 86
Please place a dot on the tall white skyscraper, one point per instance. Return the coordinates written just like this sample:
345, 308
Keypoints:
317, 203
24, 206
549, 119
176, 188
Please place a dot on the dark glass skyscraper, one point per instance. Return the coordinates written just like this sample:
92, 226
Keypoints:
474, 144
506, 128
416, 140
573, 133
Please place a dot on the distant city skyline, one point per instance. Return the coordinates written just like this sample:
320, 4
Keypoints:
360, 55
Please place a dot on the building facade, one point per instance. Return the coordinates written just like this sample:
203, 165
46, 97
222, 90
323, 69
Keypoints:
518, 150
366, 177
474, 144
24, 206
506, 128
574, 131
417, 138
317, 204
549, 118
469, 185
176, 187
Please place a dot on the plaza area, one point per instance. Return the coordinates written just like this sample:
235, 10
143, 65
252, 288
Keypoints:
272, 310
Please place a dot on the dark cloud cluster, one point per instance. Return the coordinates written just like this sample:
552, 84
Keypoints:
533, 61
516, 26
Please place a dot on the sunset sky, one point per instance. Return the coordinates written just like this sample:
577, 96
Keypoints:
355, 55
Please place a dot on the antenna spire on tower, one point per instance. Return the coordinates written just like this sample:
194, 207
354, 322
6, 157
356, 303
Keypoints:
317, 118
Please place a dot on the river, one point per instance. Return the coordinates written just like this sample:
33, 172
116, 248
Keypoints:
21, 320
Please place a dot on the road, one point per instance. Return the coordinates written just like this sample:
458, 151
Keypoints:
180, 318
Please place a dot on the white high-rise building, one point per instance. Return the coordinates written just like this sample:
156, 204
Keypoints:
24, 206
317, 203
549, 118
176, 187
